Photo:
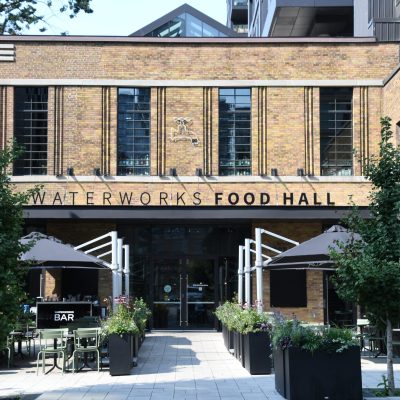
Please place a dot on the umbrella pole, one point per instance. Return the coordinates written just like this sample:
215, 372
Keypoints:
41, 287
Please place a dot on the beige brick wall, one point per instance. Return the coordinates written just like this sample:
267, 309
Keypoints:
182, 154
285, 132
45, 60
299, 231
391, 101
107, 192
82, 138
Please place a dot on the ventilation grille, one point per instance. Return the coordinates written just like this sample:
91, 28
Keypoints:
7, 52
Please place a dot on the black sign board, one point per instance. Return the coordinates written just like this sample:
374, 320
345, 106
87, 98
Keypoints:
54, 314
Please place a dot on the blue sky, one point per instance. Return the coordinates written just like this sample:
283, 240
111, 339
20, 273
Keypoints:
122, 17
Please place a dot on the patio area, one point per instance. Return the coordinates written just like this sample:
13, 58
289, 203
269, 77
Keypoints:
171, 365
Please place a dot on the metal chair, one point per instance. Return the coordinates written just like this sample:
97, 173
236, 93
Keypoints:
10, 351
52, 341
86, 340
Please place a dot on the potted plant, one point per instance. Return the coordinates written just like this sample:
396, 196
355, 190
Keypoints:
316, 362
255, 329
120, 329
251, 338
140, 314
226, 314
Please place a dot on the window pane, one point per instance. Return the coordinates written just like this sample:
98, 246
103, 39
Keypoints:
235, 131
133, 131
30, 129
336, 131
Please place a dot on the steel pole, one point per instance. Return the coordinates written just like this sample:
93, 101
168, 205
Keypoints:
240, 276
114, 267
126, 269
247, 272
259, 270
120, 264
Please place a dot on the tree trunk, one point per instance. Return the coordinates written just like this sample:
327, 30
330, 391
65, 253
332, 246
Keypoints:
389, 346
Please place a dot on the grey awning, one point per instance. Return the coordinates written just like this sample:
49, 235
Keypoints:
49, 252
313, 253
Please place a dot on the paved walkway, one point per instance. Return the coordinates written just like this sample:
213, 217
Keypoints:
187, 365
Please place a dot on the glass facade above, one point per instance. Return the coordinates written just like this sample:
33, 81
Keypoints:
186, 25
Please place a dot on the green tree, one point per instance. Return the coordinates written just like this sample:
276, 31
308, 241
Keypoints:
368, 270
18, 15
12, 271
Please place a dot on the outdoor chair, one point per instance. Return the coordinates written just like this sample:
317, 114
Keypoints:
53, 342
376, 341
9, 348
86, 341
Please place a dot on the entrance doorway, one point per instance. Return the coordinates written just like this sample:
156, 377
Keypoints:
185, 294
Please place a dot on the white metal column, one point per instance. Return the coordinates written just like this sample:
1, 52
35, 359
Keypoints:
114, 266
126, 269
259, 271
247, 272
120, 261
240, 275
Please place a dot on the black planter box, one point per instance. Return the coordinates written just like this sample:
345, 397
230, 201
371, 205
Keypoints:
231, 340
318, 375
238, 347
257, 353
120, 351
279, 370
228, 337
225, 336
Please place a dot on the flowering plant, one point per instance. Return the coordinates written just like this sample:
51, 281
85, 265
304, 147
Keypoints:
120, 322
243, 319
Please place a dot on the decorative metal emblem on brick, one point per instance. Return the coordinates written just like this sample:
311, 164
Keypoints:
183, 131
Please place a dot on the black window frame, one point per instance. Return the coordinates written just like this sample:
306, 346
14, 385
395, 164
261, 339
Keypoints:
234, 123
31, 123
336, 131
140, 122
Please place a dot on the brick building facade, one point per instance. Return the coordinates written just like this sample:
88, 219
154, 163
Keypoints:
183, 198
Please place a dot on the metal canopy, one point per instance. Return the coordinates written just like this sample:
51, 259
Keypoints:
314, 253
49, 253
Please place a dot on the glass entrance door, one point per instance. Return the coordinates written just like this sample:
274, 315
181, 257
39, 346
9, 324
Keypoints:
184, 293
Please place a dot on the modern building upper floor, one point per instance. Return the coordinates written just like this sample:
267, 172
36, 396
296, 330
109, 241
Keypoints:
315, 18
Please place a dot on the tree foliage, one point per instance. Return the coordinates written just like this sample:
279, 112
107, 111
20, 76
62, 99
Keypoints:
368, 270
18, 15
12, 271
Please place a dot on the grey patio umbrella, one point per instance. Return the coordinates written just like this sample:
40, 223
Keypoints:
313, 253
49, 252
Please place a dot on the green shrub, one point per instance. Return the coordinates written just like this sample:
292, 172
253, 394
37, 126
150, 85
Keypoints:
242, 320
140, 313
292, 333
120, 322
